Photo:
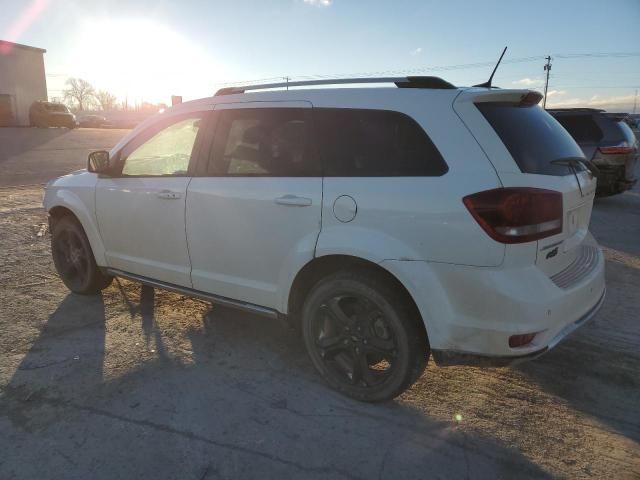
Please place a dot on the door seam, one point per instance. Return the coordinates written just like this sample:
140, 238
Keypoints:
186, 237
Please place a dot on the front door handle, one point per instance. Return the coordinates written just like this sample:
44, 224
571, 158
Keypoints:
293, 201
168, 195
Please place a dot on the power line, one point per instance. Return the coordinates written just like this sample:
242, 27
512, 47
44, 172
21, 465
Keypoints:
438, 68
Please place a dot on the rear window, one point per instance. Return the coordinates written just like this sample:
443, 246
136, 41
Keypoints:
532, 136
374, 143
582, 128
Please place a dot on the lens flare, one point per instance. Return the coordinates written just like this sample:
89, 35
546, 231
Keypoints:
24, 21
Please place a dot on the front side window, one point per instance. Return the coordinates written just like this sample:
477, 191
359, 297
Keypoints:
167, 152
263, 142
375, 143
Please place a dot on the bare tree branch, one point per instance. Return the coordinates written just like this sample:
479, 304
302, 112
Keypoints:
79, 92
106, 100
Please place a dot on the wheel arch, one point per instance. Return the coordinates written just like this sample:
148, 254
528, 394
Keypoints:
320, 267
66, 203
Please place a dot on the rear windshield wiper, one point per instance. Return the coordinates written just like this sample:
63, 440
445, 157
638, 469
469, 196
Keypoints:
572, 163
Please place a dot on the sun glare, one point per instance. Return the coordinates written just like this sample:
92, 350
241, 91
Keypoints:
142, 61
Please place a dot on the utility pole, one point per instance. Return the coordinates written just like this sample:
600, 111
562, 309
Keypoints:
547, 68
635, 101
287, 80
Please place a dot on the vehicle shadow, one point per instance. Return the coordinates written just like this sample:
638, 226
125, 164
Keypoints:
615, 222
230, 396
596, 369
69, 346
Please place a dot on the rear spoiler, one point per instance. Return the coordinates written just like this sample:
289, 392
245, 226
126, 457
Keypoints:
517, 97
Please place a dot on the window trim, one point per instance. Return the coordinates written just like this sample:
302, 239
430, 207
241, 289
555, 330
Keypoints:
143, 136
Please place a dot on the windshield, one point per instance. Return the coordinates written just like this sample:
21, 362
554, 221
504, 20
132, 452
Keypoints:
532, 136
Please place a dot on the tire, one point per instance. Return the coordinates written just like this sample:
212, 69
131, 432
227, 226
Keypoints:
364, 336
74, 260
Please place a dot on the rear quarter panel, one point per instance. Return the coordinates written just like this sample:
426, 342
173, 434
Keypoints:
415, 218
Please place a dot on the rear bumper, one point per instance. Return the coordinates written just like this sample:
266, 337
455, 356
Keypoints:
445, 358
470, 312
617, 174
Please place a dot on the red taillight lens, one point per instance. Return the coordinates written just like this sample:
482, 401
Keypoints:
621, 148
517, 215
521, 340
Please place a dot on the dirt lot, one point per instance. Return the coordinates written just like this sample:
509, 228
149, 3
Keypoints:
140, 383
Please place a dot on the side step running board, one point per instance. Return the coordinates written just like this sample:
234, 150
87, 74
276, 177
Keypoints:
226, 302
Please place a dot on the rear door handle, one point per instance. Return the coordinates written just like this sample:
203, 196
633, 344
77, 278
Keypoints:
293, 201
168, 195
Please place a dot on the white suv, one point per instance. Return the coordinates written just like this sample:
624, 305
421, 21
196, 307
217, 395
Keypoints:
389, 223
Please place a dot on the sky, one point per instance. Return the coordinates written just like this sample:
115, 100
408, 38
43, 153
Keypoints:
147, 50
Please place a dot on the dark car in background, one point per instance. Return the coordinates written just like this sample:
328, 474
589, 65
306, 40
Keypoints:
49, 114
92, 121
607, 142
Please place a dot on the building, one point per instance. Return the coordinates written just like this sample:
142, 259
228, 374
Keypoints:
22, 81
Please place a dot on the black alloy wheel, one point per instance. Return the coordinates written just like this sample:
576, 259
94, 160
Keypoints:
364, 336
73, 258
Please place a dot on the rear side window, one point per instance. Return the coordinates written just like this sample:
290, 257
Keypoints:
374, 143
532, 136
582, 128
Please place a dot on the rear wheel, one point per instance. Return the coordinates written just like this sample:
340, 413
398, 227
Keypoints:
74, 260
364, 336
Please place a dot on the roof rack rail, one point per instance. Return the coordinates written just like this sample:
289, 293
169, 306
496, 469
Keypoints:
400, 82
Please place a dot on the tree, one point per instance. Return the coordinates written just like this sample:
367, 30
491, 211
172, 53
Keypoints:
79, 92
106, 100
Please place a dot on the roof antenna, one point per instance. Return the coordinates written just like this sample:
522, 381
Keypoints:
487, 84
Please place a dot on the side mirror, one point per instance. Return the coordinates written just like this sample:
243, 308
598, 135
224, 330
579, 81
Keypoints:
98, 162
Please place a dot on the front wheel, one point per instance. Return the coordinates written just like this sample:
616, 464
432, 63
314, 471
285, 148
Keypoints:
74, 260
364, 336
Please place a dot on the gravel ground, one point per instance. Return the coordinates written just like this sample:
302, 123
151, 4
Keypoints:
140, 383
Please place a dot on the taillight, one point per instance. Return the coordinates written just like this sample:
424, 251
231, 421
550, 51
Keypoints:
621, 148
517, 215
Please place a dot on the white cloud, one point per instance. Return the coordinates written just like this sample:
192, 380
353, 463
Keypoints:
529, 82
613, 103
319, 3
555, 93
415, 52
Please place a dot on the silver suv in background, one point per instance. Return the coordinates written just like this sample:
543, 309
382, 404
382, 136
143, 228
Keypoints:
608, 144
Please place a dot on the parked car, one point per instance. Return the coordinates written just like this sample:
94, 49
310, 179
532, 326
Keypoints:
388, 223
633, 120
92, 121
607, 142
49, 114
